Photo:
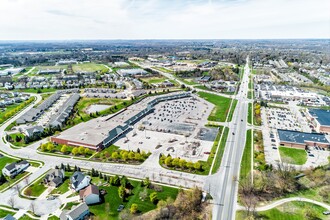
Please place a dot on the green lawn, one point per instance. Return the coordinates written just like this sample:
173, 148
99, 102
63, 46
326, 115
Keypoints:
222, 104
249, 119
89, 67
230, 116
250, 94
246, 158
109, 149
221, 150
288, 211
32, 90
37, 188
11, 181
163, 69
113, 199
21, 143
3, 213
55, 67
188, 81
203, 87
5, 160
293, 155
84, 103
64, 187
155, 79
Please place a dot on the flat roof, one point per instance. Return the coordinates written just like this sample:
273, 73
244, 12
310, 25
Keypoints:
321, 115
96, 130
301, 137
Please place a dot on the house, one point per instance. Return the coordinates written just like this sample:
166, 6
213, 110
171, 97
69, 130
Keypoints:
90, 195
79, 181
78, 212
54, 177
32, 131
15, 168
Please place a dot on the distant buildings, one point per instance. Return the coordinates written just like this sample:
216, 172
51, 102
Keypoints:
132, 72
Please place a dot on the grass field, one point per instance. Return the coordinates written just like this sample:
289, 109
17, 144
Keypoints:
32, 90
293, 155
288, 211
221, 150
188, 81
222, 104
89, 67
3, 213
112, 198
163, 69
246, 158
51, 67
203, 87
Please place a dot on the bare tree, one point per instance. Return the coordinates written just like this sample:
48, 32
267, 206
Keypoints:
17, 188
12, 201
248, 195
33, 207
27, 180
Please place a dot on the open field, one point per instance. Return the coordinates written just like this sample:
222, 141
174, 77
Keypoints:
222, 104
89, 67
288, 211
293, 155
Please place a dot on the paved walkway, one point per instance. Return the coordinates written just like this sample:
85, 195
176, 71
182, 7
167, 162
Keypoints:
20, 213
46, 192
283, 201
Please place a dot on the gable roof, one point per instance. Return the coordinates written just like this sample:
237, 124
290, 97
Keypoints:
89, 190
77, 210
76, 178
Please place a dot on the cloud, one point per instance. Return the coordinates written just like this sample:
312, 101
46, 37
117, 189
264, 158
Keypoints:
162, 19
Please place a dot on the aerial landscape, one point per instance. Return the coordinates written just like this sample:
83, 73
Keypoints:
154, 109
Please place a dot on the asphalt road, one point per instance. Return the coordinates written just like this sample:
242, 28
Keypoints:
223, 185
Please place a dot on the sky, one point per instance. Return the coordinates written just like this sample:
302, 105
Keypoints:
163, 19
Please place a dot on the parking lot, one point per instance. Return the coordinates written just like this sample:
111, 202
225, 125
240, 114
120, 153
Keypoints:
277, 118
176, 145
281, 118
184, 116
177, 127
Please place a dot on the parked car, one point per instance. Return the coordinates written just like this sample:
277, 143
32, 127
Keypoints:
326, 212
120, 208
